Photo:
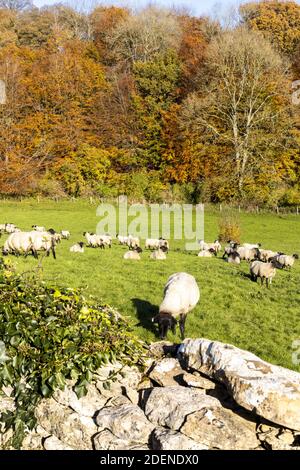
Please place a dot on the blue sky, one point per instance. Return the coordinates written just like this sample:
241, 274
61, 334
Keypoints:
196, 7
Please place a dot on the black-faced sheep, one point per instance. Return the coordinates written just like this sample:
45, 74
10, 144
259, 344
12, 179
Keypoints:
77, 248
265, 271
181, 295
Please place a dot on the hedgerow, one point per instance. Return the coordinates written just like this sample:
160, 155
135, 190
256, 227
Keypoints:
49, 335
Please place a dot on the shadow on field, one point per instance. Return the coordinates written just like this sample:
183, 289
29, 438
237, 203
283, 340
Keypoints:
145, 312
246, 275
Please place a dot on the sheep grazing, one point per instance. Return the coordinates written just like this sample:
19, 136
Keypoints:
234, 258
38, 228
133, 254
230, 249
156, 243
104, 240
163, 243
43, 241
216, 246
77, 248
264, 271
94, 241
286, 261
122, 239
65, 234
24, 242
251, 245
152, 243
248, 254
207, 253
91, 239
9, 228
181, 295
159, 254
18, 243
267, 255
132, 242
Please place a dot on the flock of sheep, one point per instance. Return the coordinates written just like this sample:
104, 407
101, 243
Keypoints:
159, 246
37, 240
181, 292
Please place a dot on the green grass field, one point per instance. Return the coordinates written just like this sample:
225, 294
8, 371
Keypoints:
231, 309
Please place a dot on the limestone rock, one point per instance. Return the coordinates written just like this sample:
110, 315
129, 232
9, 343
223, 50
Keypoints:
166, 439
106, 440
124, 377
196, 380
220, 428
169, 406
69, 427
161, 349
86, 406
167, 372
270, 391
277, 439
126, 422
52, 443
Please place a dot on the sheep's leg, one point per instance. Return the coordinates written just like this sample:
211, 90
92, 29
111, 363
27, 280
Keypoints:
182, 325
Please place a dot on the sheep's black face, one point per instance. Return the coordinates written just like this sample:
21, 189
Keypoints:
276, 264
165, 323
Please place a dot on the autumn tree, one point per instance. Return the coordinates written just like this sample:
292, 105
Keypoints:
243, 106
142, 36
104, 21
8, 20
16, 5
279, 21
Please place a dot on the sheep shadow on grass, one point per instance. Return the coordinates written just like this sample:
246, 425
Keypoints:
145, 312
246, 275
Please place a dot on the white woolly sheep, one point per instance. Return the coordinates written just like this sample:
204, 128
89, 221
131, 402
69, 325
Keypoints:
207, 253
248, 254
18, 243
65, 234
267, 255
159, 254
234, 258
152, 243
216, 246
251, 245
43, 241
163, 243
122, 239
104, 240
181, 295
133, 254
10, 228
77, 248
133, 242
286, 261
264, 271
93, 240
38, 228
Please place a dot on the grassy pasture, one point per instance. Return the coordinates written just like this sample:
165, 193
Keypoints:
231, 309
